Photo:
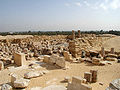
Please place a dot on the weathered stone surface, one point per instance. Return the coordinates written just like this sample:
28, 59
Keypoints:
114, 85
46, 59
68, 57
112, 51
96, 61
66, 79
54, 87
102, 51
33, 74
93, 53
94, 75
6, 87
78, 85
112, 55
1, 65
21, 83
111, 59
19, 59
88, 76
61, 62
53, 59
14, 77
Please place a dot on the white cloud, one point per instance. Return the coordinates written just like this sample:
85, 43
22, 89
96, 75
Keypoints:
103, 6
115, 4
86, 3
77, 3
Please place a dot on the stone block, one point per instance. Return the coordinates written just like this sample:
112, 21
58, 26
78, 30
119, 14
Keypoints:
112, 55
77, 84
46, 59
111, 59
19, 59
77, 80
88, 76
112, 51
94, 75
61, 62
13, 78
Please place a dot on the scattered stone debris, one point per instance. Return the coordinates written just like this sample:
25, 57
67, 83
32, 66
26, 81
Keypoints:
33, 74
21, 83
101, 83
114, 85
77, 84
6, 87
66, 79
33, 55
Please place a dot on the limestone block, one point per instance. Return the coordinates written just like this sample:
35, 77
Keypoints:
46, 59
32, 74
78, 85
67, 56
114, 85
112, 55
94, 75
53, 59
61, 62
21, 83
111, 59
19, 59
88, 76
13, 78
77, 80
112, 51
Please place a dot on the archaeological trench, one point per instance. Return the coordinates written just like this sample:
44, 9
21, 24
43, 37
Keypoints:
59, 62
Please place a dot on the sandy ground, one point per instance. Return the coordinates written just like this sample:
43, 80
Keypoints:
105, 74
113, 43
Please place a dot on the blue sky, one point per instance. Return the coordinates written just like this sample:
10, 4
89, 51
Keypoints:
25, 15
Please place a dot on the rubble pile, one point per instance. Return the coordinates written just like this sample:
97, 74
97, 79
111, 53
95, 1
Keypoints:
34, 54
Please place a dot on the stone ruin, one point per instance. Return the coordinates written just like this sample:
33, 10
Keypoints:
114, 85
55, 53
78, 83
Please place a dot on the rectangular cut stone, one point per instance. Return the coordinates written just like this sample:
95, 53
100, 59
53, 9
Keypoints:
102, 51
19, 59
77, 80
94, 75
112, 51
78, 85
88, 76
